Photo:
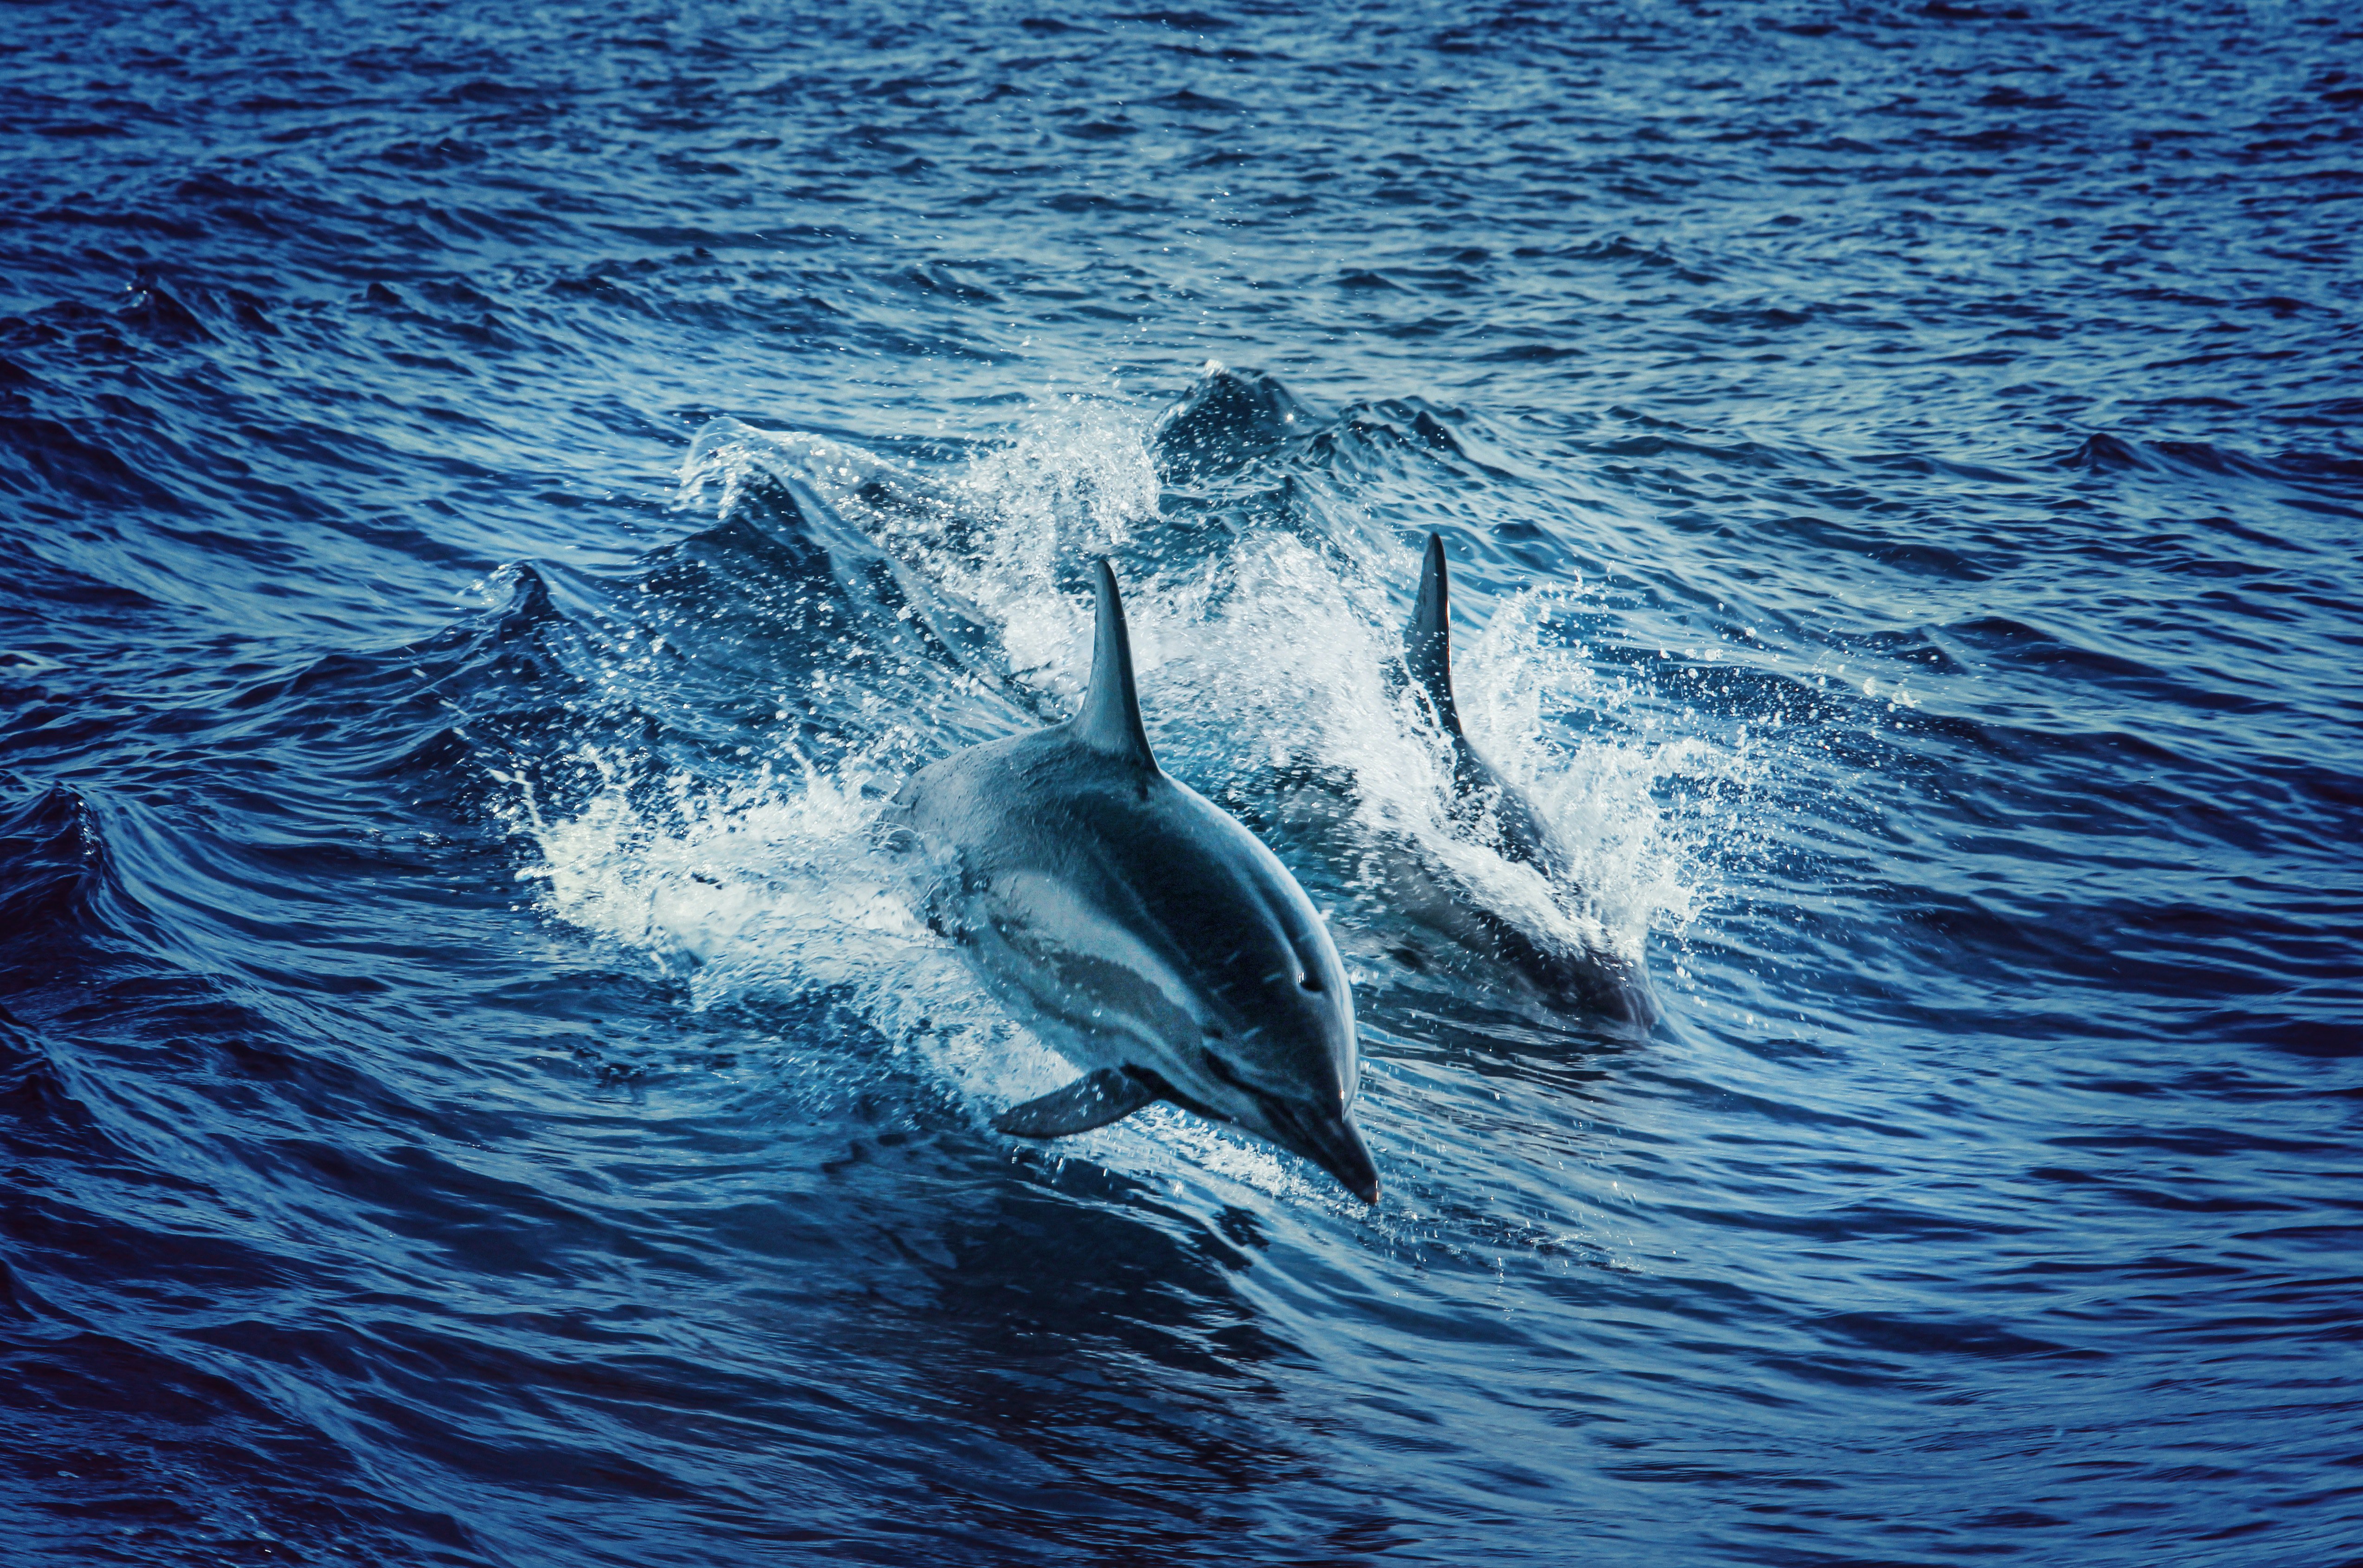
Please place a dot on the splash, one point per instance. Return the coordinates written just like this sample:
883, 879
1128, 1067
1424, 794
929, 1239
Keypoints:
1310, 653
1267, 650
1005, 534
1531, 698
768, 884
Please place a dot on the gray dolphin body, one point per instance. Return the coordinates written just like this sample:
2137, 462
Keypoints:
1168, 950
1499, 814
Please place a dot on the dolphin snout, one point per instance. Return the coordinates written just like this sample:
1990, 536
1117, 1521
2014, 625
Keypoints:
1331, 1141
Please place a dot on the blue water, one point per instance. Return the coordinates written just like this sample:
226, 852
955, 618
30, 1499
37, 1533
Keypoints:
494, 500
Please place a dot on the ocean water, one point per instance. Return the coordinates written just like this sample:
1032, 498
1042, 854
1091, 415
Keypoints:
493, 502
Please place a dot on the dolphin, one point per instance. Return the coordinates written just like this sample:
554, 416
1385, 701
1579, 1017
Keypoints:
1497, 814
1167, 951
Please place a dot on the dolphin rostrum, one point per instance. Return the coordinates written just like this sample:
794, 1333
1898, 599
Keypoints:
1170, 953
1501, 816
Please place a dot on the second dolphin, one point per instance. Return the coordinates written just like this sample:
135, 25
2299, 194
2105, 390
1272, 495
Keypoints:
1497, 814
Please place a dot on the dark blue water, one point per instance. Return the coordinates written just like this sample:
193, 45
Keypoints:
493, 502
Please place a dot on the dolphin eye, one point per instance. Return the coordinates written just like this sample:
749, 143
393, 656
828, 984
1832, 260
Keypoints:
1311, 983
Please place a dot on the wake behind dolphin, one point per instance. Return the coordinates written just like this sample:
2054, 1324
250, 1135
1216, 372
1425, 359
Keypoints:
1170, 951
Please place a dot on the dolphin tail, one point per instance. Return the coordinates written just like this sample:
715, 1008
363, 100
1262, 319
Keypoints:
1110, 719
1427, 641
1109, 1094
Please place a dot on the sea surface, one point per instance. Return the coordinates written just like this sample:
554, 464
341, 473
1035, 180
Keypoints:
493, 500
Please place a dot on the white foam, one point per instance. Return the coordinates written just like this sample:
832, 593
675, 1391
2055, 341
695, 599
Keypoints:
1074, 482
1273, 650
766, 882
1276, 651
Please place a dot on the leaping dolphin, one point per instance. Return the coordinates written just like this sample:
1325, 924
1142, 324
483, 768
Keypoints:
1499, 814
1172, 955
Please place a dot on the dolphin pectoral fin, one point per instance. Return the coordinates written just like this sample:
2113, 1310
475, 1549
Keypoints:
1109, 1094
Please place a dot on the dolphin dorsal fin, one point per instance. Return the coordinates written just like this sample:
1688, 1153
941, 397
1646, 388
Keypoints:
1110, 720
1427, 641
